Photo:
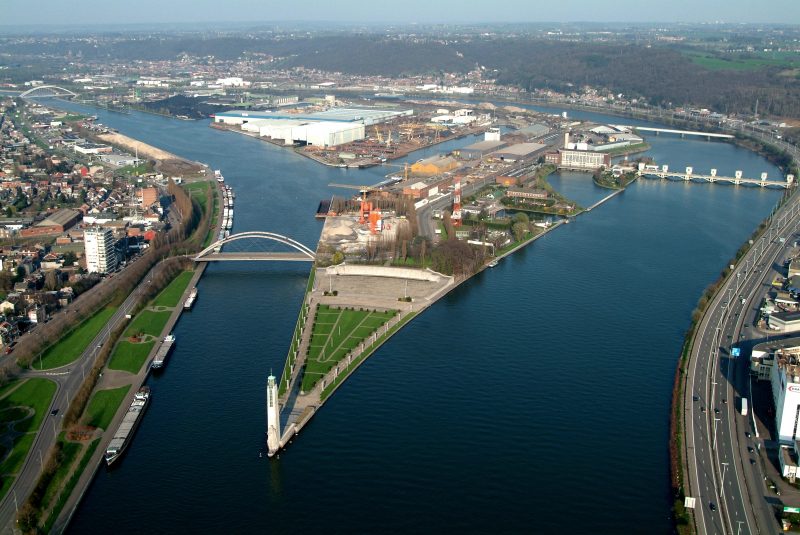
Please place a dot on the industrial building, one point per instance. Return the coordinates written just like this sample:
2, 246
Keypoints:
534, 130
100, 254
435, 165
55, 223
785, 322
480, 149
520, 151
329, 128
578, 159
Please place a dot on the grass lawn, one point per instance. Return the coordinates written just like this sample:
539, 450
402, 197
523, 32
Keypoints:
103, 406
35, 393
171, 295
70, 347
336, 332
130, 357
147, 322
366, 353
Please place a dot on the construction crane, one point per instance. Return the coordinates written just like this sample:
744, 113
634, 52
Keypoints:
367, 213
405, 167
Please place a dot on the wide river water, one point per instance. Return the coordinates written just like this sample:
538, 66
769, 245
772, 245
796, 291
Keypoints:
533, 398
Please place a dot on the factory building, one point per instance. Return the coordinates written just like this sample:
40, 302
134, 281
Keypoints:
329, 128
480, 149
520, 151
435, 165
578, 159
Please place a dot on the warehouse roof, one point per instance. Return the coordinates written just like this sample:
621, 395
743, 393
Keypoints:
521, 149
60, 217
484, 145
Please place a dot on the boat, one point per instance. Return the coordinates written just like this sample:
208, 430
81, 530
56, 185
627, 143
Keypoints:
163, 352
127, 427
493, 263
189, 303
218, 175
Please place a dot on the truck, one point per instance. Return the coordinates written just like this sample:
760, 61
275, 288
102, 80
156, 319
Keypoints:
744, 406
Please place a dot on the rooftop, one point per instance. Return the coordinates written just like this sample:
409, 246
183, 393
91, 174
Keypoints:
521, 149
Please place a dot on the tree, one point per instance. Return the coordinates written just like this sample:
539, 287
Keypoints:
521, 217
52, 280
519, 230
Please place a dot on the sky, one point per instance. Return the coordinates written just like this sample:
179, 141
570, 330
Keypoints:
89, 13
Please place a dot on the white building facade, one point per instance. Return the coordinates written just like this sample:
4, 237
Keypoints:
99, 246
785, 380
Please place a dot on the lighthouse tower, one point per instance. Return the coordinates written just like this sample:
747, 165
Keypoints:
273, 417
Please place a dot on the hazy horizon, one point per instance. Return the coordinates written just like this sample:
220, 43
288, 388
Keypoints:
89, 13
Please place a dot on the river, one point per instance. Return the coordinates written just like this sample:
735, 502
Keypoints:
533, 398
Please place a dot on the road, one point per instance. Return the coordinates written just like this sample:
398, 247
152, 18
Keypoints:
68, 380
718, 459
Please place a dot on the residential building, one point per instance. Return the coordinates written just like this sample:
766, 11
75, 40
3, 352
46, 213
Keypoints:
100, 254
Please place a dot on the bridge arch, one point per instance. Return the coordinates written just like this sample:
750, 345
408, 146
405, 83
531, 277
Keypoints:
258, 234
47, 91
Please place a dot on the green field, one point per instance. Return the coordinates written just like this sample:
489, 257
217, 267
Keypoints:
103, 406
335, 333
197, 190
147, 322
744, 62
130, 357
171, 295
70, 347
33, 393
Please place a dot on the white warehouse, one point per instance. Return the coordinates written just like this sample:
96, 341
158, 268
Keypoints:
329, 128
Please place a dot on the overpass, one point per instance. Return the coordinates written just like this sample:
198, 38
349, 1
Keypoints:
214, 253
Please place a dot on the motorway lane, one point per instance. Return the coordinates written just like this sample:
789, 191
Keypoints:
718, 329
68, 380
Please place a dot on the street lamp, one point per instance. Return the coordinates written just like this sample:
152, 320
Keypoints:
714, 445
722, 482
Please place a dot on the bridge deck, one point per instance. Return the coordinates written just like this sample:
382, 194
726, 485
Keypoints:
274, 257
673, 131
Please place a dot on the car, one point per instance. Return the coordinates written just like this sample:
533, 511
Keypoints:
750, 449
54, 412
752, 461
747, 434
712, 506
695, 398
702, 409
716, 411
724, 400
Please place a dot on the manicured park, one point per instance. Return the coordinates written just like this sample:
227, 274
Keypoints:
103, 406
130, 357
24, 406
147, 322
70, 347
171, 295
335, 333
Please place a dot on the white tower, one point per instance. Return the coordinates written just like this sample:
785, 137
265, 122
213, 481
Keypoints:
273, 417
99, 247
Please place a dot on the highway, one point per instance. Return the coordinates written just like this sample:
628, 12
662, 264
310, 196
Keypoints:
729, 487
68, 380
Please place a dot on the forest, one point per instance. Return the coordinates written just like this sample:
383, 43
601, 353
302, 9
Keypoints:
661, 74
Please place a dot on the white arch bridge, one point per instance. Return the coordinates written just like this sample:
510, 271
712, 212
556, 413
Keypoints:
214, 252
46, 91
